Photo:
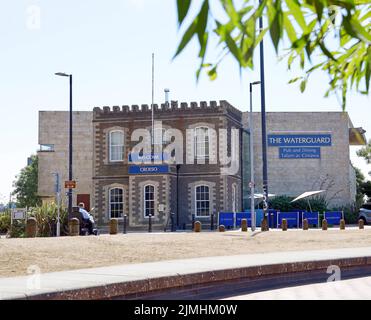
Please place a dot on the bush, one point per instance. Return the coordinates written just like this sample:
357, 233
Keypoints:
284, 204
5, 222
46, 216
350, 213
18, 229
281, 203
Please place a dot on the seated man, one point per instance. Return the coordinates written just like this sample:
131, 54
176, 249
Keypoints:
88, 218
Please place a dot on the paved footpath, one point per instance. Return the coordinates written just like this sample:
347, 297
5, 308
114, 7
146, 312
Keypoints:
351, 289
107, 282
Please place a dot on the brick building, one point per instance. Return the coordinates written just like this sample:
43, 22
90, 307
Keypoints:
193, 184
199, 163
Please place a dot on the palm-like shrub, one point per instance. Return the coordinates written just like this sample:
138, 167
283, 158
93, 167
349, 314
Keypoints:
46, 216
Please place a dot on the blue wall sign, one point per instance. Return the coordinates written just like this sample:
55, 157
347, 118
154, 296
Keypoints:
151, 169
299, 140
148, 157
300, 153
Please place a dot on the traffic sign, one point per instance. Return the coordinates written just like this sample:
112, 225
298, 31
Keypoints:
70, 184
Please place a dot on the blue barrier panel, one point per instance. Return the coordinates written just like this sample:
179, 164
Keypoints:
312, 217
333, 217
291, 217
247, 215
259, 216
226, 219
243, 215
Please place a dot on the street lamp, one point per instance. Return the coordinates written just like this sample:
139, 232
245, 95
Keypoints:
252, 180
264, 131
61, 74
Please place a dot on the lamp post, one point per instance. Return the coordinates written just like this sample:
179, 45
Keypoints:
252, 180
61, 74
264, 131
58, 196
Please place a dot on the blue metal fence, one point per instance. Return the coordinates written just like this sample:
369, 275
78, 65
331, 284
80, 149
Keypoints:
333, 217
226, 219
292, 218
312, 217
243, 215
230, 219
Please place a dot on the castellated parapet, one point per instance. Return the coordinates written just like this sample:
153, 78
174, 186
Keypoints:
172, 108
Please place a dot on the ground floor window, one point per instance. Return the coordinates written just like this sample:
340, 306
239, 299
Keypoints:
116, 202
202, 201
149, 200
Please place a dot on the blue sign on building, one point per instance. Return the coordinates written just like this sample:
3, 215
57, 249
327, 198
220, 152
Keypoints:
299, 140
150, 169
148, 157
300, 153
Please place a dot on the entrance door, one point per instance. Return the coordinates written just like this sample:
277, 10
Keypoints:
85, 199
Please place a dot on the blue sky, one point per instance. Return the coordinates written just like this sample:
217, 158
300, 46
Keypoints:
107, 45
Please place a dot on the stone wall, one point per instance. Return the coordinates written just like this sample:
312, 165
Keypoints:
54, 130
294, 176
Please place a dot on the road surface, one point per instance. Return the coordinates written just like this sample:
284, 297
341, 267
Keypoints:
351, 289
355, 284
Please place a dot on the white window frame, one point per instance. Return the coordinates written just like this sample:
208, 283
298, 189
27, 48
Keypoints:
119, 145
196, 201
110, 202
206, 140
145, 201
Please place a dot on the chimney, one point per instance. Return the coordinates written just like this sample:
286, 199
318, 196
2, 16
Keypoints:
167, 91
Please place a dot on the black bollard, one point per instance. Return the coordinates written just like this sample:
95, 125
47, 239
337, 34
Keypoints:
212, 222
150, 223
125, 222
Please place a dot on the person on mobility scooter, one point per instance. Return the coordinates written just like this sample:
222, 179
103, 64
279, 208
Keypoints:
87, 223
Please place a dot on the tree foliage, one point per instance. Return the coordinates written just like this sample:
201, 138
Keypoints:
360, 181
284, 204
365, 152
335, 32
366, 189
25, 185
363, 186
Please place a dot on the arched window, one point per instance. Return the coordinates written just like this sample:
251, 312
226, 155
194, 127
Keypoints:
202, 143
116, 202
202, 201
149, 200
116, 146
